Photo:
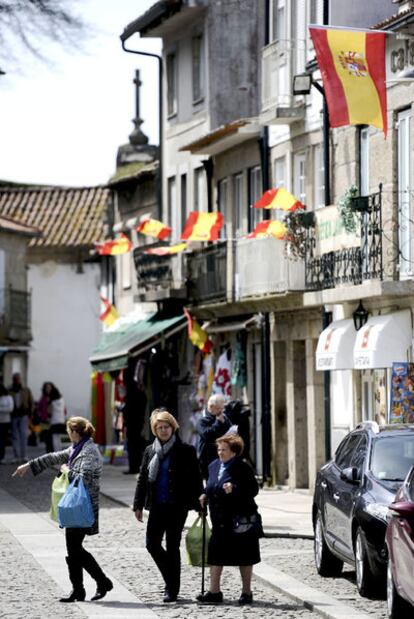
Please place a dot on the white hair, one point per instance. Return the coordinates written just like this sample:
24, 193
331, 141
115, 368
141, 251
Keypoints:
217, 399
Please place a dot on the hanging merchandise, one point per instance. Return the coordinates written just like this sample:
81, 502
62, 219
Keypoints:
222, 382
239, 373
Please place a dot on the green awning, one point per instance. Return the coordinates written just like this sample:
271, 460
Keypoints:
115, 347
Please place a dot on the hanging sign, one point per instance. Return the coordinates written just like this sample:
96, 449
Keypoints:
330, 232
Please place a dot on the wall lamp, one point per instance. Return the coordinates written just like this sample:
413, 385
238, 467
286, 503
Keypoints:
302, 84
360, 316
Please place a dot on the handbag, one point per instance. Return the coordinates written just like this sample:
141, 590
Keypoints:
75, 507
194, 542
245, 524
59, 486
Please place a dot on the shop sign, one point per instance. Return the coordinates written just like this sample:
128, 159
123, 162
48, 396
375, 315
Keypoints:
402, 393
330, 233
399, 57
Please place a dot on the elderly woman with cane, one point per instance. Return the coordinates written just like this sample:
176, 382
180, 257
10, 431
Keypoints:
169, 485
84, 460
230, 492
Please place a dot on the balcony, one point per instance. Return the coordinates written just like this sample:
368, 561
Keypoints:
350, 265
15, 315
262, 269
158, 277
208, 273
280, 62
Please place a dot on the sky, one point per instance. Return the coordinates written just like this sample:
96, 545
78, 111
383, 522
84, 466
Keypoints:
61, 122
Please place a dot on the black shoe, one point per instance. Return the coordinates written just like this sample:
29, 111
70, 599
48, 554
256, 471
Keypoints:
169, 597
246, 598
102, 589
75, 596
210, 598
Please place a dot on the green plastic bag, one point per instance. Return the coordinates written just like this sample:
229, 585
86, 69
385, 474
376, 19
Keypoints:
194, 542
59, 487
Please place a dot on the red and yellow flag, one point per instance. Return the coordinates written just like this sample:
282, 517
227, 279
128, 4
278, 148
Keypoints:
280, 199
165, 251
352, 65
155, 228
110, 314
202, 226
269, 228
197, 335
115, 247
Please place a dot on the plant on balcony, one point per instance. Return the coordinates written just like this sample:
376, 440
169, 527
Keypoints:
348, 213
296, 224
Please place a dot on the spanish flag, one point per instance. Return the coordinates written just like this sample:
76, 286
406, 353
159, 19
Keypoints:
115, 247
110, 314
155, 228
202, 226
280, 199
197, 335
269, 228
168, 250
352, 65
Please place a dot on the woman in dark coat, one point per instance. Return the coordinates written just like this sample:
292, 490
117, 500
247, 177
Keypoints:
230, 492
84, 460
169, 485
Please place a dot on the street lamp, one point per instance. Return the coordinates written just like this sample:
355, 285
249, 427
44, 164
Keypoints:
302, 84
360, 316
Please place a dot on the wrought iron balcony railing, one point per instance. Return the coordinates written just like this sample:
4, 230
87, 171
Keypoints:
350, 265
158, 275
207, 273
15, 315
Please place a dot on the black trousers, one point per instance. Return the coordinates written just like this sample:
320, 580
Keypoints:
4, 433
166, 520
80, 558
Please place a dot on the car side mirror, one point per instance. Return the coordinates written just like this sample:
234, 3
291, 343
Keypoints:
402, 509
350, 474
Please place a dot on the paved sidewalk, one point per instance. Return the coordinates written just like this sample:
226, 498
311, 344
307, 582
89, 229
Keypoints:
284, 513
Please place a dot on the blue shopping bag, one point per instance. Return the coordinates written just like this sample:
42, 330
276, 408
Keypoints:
75, 507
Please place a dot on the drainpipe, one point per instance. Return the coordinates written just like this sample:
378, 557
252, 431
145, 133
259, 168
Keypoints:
160, 119
208, 165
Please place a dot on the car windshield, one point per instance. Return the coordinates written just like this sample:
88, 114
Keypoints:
392, 457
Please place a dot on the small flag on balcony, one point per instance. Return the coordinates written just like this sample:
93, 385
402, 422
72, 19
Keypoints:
114, 247
202, 226
352, 65
168, 250
155, 228
278, 199
110, 314
269, 228
197, 335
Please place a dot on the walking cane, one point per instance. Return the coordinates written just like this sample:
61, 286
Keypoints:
203, 549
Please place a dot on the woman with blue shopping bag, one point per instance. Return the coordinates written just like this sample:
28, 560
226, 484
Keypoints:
84, 463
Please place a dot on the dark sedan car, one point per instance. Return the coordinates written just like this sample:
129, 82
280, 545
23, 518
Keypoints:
351, 499
400, 543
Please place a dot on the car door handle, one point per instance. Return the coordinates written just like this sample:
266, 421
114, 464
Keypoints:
324, 485
336, 496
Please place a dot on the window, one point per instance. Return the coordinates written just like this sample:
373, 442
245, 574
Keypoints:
392, 457
126, 271
239, 205
319, 178
404, 171
172, 203
299, 180
223, 201
359, 455
171, 84
280, 172
200, 190
279, 20
183, 200
255, 192
198, 68
346, 452
364, 161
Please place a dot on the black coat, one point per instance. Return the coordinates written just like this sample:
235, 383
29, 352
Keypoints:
185, 483
209, 429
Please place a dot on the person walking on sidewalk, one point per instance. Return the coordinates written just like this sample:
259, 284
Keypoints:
6, 407
210, 427
84, 460
169, 485
22, 410
230, 491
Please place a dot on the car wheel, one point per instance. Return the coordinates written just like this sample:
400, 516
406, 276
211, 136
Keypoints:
397, 607
365, 580
326, 563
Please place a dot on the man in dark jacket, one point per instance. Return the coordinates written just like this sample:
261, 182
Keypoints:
210, 427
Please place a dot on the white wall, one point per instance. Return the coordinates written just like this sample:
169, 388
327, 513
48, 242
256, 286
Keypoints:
66, 327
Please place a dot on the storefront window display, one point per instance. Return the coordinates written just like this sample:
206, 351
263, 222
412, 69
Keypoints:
375, 390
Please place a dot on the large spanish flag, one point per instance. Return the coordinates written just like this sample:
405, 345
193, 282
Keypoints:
110, 314
197, 335
352, 65
155, 228
115, 247
269, 228
202, 226
278, 198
